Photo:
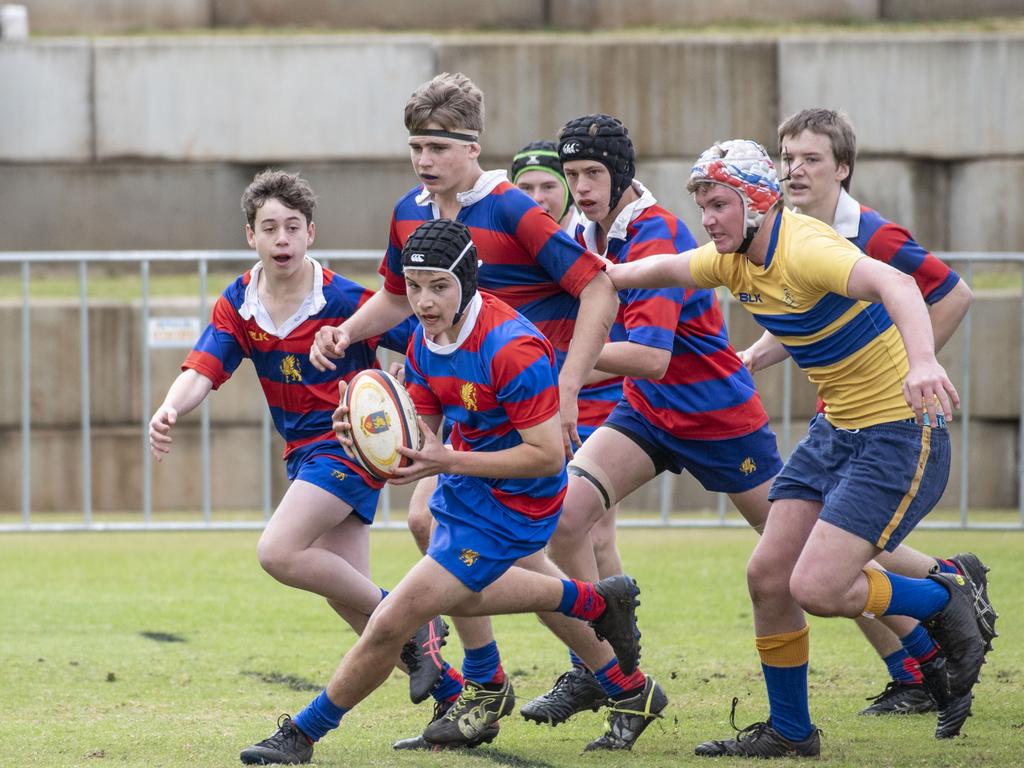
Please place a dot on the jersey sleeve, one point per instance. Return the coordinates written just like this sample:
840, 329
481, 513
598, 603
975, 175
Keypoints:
221, 347
525, 381
564, 260
391, 265
706, 267
895, 246
423, 398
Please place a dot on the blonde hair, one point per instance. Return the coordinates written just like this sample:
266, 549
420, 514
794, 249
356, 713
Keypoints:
451, 100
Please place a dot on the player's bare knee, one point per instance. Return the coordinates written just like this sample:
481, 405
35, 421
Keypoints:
420, 521
388, 626
765, 580
814, 594
272, 558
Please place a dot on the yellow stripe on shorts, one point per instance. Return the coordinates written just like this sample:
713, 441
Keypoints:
908, 497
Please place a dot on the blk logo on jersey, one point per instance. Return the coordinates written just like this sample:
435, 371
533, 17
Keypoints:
468, 394
375, 423
748, 467
468, 557
291, 370
750, 298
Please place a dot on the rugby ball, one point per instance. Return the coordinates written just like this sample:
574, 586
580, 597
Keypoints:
383, 418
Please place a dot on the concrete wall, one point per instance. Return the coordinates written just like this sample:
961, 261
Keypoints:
116, 16
148, 142
236, 412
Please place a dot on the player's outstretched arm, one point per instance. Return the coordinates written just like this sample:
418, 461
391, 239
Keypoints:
927, 388
662, 271
382, 312
598, 304
763, 353
187, 391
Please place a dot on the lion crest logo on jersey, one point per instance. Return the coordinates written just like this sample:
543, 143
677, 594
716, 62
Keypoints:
788, 297
375, 423
748, 467
338, 475
468, 394
468, 557
290, 370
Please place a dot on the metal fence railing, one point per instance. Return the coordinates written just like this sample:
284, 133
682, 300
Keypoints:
202, 259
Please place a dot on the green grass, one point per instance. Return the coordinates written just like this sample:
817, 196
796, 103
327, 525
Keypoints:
82, 686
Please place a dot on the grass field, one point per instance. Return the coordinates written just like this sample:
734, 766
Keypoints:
177, 650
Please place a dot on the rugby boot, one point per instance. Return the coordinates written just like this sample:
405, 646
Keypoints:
489, 734
955, 629
977, 572
953, 710
478, 708
759, 740
575, 691
630, 717
289, 746
422, 657
900, 698
617, 624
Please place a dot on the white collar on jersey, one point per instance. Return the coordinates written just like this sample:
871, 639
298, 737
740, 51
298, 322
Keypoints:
472, 311
485, 183
846, 220
252, 307
622, 221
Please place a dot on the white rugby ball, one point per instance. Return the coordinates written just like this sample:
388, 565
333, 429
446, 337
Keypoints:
383, 418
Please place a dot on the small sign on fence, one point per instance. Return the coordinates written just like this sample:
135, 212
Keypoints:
173, 332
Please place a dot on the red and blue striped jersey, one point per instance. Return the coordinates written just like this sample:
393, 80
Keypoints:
301, 398
528, 261
706, 393
881, 239
501, 378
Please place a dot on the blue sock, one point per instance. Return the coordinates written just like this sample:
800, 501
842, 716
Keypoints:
576, 661
787, 694
919, 644
450, 685
383, 593
917, 598
570, 593
900, 664
481, 665
319, 717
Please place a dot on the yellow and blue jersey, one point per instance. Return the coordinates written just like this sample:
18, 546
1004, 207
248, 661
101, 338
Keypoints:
850, 349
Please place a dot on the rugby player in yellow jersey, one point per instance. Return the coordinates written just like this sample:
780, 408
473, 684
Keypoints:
871, 467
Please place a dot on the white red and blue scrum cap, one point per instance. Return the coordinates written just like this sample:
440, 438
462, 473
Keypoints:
444, 245
605, 139
744, 166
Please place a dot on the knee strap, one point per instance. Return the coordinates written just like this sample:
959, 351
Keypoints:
591, 471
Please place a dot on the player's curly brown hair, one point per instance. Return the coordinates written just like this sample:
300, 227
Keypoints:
825, 122
290, 188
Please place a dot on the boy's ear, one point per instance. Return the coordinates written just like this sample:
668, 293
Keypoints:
250, 236
312, 232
